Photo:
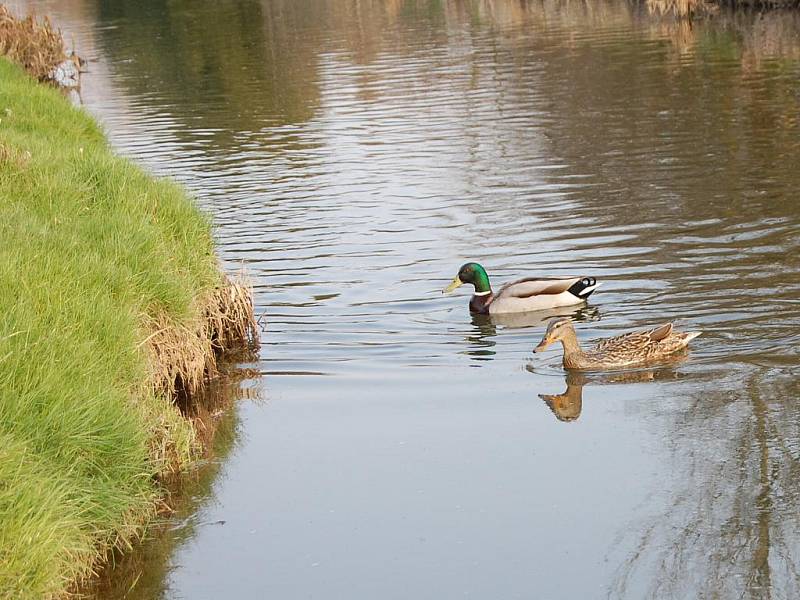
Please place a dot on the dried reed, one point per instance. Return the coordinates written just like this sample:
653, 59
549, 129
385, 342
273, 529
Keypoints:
38, 47
183, 358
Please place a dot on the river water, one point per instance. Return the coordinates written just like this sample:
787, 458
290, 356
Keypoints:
353, 154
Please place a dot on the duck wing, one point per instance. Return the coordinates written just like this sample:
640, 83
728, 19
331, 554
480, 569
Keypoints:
662, 332
634, 342
531, 286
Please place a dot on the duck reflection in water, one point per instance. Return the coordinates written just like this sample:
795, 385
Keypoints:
567, 405
485, 327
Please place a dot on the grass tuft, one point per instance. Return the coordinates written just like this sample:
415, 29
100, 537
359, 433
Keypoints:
111, 299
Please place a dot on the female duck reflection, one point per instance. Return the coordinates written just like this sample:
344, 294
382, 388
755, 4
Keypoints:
567, 405
484, 327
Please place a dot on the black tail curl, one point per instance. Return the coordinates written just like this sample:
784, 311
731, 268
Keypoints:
583, 288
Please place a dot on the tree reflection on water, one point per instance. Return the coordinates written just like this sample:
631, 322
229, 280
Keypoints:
730, 528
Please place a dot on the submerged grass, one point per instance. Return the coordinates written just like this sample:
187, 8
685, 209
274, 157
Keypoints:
111, 300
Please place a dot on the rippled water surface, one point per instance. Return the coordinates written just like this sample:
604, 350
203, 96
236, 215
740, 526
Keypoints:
353, 154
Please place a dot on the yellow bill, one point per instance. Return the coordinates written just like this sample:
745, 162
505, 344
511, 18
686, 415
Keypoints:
456, 283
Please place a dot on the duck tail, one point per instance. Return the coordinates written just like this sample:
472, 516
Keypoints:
584, 287
690, 335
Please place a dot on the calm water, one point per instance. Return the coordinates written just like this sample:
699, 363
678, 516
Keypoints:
353, 154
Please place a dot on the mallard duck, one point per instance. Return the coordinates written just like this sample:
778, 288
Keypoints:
523, 295
623, 351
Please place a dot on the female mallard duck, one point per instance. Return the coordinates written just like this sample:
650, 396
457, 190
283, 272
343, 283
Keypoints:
623, 351
522, 295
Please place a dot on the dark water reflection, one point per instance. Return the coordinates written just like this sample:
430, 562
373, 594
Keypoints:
142, 571
353, 154
485, 327
568, 405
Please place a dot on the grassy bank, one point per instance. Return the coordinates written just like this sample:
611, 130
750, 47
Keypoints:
111, 300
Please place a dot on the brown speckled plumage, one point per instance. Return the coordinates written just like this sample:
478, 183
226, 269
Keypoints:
637, 348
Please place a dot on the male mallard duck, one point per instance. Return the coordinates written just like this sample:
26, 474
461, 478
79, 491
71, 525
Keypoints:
628, 350
522, 295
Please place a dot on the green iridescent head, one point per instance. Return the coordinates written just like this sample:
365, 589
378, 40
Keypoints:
473, 273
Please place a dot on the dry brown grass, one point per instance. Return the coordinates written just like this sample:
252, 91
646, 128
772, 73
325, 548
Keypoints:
37, 46
12, 157
230, 320
183, 358
699, 8
183, 361
680, 8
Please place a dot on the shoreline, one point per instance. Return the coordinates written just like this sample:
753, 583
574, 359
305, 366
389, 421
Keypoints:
115, 313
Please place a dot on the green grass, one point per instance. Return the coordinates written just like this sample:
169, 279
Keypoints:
91, 245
